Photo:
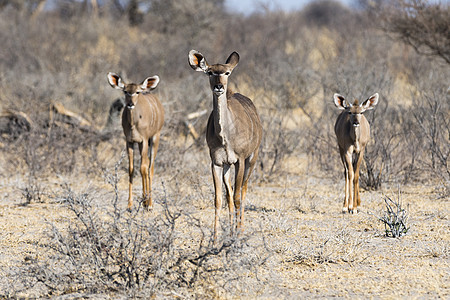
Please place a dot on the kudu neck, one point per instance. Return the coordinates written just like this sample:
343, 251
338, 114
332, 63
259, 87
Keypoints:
132, 113
221, 115
355, 134
131, 116
219, 101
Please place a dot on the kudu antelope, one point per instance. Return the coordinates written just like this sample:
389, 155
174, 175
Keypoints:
353, 133
142, 120
233, 135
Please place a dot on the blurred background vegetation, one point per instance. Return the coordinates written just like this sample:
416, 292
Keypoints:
291, 64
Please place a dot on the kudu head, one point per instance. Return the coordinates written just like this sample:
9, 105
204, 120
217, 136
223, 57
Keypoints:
132, 90
218, 73
356, 109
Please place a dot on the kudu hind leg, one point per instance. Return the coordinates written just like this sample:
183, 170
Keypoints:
153, 149
250, 164
145, 163
238, 205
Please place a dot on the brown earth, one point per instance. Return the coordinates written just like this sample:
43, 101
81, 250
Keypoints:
315, 250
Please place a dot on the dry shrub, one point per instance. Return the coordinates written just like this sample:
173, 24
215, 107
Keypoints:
431, 126
394, 218
425, 25
290, 62
108, 249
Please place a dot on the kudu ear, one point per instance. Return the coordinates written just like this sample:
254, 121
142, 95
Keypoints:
115, 81
233, 59
340, 101
197, 61
370, 102
149, 83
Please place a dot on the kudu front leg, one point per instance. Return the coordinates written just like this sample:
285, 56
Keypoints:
145, 164
217, 178
229, 194
344, 163
153, 149
130, 173
348, 202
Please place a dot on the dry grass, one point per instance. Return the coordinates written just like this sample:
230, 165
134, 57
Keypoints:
296, 242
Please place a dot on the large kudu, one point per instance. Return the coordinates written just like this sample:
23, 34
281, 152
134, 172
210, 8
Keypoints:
353, 133
142, 120
233, 135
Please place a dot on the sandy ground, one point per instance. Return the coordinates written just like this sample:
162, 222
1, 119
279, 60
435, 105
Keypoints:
316, 251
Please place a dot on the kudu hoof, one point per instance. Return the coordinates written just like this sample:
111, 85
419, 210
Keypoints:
148, 206
353, 211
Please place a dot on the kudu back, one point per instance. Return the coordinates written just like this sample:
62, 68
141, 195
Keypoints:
142, 120
353, 133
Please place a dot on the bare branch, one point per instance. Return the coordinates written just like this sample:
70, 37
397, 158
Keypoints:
423, 25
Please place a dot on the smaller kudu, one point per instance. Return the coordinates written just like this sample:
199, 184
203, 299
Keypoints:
353, 133
142, 120
233, 135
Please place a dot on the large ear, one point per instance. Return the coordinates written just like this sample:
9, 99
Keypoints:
370, 102
233, 59
115, 81
149, 83
197, 61
340, 102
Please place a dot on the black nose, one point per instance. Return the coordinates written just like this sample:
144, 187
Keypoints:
218, 88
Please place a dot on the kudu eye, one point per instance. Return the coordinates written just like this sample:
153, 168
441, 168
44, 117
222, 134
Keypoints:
227, 73
210, 73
